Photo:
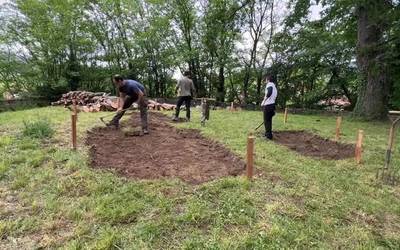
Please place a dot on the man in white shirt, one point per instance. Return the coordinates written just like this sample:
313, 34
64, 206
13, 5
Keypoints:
268, 104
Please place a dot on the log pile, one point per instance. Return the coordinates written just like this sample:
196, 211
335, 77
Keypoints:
160, 106
88, 101
95, 102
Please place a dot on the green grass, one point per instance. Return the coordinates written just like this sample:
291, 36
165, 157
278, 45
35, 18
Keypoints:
50, 197
39, 129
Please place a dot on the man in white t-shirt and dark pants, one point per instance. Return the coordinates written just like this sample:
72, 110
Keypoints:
268, 104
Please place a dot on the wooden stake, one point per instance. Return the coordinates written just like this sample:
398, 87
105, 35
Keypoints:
338, 124
232, 108
250, 156
74, 108
285, 117
73, 128
359, 146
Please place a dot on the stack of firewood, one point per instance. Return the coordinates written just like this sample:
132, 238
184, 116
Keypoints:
88, 101
160, 106
95, 102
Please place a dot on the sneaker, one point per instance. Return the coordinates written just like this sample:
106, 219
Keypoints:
145, 131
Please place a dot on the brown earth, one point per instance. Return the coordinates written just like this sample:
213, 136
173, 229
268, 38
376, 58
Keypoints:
309, 144
164, 153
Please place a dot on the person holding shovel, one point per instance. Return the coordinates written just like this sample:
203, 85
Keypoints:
130, 91
185, 89
268, 104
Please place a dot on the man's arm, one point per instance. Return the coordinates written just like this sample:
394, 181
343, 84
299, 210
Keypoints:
193, 89
121, 101
177, 87
269, 91
140, 96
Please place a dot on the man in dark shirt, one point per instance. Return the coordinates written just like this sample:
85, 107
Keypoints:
130, 91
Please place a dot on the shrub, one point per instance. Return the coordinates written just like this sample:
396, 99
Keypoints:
38, 129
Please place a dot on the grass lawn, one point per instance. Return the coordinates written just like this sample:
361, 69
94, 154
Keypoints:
51, 198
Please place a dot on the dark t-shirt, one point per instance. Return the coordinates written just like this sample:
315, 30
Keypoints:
132, 88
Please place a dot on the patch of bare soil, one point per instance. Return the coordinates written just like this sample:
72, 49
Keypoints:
309, 144
164, 153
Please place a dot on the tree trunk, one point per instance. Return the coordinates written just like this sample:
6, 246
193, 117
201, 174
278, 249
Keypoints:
246, 84
221, 85
259, 85
374, 90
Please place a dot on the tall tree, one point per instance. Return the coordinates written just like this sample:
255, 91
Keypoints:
188, 39
258, 16
221, 31
370, 22
372, 25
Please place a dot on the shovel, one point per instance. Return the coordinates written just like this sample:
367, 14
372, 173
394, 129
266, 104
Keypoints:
102, 118
259, 126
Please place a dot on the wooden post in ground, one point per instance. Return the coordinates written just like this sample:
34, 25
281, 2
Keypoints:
74, 108
338, 124
250, 156
232, 107
359, 146
73, 129
285, 116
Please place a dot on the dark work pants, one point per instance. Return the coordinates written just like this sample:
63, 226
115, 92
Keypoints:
142, 107
269, 112
181, 100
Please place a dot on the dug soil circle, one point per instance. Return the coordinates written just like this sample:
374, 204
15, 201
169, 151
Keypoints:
167, 152
311, 145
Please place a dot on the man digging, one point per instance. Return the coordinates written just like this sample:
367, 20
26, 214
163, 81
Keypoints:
130, 91
185, 89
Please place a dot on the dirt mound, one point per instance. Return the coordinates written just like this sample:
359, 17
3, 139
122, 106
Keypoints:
309, 144
165, 152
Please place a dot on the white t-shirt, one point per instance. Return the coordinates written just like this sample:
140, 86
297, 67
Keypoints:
272, 98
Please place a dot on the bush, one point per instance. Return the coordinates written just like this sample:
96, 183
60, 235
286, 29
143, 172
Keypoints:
38, 129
